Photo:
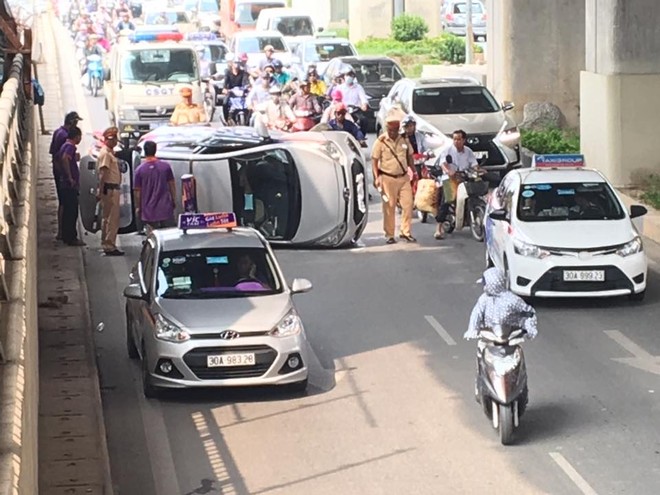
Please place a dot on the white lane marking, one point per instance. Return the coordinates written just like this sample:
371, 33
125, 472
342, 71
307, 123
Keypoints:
628, 345
570, 471
440, 330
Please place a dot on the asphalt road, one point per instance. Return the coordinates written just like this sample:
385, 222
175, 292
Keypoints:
390, 407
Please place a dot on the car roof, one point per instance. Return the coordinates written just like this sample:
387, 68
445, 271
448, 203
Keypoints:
437, 82
256, 34
326, 41
545, 176
349, 59
174, 239
275, 11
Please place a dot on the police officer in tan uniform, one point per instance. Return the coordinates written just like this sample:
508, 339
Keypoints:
188, 112
108, 192
392, 156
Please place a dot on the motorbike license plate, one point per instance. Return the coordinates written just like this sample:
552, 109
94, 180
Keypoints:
480, 154
584, 275
225, 360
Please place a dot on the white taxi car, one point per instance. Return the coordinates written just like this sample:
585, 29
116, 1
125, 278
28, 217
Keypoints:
560, 230
207, 305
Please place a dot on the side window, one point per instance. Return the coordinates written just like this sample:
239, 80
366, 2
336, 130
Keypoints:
508, 197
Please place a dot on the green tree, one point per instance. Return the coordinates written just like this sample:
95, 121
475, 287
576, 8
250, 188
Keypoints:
408, 27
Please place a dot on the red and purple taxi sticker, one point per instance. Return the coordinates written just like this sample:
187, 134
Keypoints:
558, 161
204, 221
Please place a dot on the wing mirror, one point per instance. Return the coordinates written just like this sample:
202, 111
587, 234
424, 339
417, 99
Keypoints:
106, 75
133, 291
637, 211
498, 215
507, 105
300, 285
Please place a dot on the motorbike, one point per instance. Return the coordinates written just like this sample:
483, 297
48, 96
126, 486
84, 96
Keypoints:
238, 110
94, 74
359, 117
501, 383
305, 120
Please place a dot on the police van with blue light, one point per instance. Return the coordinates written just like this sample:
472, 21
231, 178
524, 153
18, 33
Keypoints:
147, 70
559, 229
207, 305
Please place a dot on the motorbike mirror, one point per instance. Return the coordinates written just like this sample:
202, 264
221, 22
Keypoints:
498, 215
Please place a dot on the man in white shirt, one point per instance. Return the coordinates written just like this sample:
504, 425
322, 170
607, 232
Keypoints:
354, 95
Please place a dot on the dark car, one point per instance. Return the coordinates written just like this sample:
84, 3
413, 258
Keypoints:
376, 74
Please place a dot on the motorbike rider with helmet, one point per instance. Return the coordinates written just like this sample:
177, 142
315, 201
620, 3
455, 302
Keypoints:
278, 113
316, 84
416, 138
305, 101
235, 77
355, 96
281, 77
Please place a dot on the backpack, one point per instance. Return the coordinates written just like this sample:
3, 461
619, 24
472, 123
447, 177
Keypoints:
39, 97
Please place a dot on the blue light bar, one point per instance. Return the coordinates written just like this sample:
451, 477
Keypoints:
207, 221
156, 36
558, 161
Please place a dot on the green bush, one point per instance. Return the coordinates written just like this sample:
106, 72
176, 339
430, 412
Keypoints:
651, 191
452, 49
409, 28
550, 141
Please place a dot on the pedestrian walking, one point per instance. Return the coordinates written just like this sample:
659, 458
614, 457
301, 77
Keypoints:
109, 192
154, 190
392, 157
59, 138
69, 186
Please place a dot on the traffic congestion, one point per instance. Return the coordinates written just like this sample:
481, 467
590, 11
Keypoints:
237, 156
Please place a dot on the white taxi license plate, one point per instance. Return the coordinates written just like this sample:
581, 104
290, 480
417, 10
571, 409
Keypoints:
584, 275
246, 359
480, 154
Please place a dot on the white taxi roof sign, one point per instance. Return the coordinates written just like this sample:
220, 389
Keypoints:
207, 221
558, 161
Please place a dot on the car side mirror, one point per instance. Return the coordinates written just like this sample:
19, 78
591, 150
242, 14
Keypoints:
498, 215
300, 285
133, 291
507, 105
106, 75
637, 211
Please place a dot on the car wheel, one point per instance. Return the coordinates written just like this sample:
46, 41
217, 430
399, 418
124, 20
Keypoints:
297, 387
130, 343
637, 297
150, 392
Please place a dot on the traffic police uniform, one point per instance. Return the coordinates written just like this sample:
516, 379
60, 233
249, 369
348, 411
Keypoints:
110, 193
394, 157
188, 112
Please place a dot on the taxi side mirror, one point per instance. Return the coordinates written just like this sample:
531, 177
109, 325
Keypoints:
498, 215
637, 211
133, 291
300, 285
507, 105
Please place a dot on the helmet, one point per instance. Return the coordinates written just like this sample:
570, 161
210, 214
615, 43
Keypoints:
243, 57
277, 64
275, 90
408, 119
348, 70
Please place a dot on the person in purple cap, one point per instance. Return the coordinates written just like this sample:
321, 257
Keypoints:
59, 138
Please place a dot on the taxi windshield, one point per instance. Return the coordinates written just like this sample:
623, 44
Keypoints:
216, 273
158, 66
568, 201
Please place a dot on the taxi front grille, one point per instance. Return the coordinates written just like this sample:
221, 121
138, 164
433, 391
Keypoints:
553, 280
196, 360
154, 114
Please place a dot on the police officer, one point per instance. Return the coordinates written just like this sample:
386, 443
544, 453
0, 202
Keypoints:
109, 191
188, 112
392, 157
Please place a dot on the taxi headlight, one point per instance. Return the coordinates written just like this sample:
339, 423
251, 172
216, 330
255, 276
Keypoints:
288, 326
633, 247
168, 331
503, 365
128, 113
530, 250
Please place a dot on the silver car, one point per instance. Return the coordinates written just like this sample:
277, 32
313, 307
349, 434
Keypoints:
212, 309
453, 18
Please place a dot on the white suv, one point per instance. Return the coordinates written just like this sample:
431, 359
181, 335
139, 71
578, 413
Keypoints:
441, 106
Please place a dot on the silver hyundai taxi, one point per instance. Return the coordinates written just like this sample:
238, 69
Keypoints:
209, 307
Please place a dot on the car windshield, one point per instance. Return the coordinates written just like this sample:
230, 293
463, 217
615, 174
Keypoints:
568, 201
461, 8
258, 43
453, 100
294, 26
159, 65
322, 52
378, 71
216, 273
166, 18
247, 13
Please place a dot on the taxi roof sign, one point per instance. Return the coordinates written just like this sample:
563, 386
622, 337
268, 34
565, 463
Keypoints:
558, 161
207, 221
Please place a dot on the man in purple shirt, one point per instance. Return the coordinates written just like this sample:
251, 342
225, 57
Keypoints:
69, 186
154, 190
59, 137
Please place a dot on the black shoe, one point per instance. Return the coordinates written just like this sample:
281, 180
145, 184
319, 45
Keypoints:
390, 240
408, 238
114, 252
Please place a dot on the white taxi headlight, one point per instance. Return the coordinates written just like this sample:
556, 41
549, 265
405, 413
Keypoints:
128, 113
530, 250
503, 365
633, 247
288, 326
510, 136
168, 331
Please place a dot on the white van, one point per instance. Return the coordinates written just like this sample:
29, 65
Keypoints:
294, 24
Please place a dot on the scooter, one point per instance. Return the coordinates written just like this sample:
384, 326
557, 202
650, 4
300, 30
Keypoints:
238, 110
501, 384
305, 120
94, 74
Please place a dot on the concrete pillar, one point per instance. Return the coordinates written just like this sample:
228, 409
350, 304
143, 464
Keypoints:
429, 11
536, 52
620, 89
369, 18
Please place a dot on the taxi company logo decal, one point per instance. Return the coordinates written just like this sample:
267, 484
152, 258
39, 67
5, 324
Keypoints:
229, 335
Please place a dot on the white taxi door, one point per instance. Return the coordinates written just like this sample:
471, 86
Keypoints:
499, 230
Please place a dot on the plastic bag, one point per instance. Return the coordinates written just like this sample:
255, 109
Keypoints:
426, 198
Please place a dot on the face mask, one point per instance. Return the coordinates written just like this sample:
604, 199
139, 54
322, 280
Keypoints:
350, 80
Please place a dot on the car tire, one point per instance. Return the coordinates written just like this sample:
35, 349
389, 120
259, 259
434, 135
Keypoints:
130, 343
297, 387
149, 390
637, 296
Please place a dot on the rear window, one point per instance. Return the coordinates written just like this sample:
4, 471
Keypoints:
454, 100
327, 51
377, 72
461, 8
294, 25
257, 44
568, 201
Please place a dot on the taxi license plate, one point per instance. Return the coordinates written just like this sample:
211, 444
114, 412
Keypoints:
480, 154
224, 360
584, 276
